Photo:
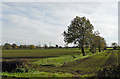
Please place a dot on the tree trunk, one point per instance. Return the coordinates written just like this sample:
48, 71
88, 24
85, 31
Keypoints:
95, 50
82, 49
92, 50
99, 49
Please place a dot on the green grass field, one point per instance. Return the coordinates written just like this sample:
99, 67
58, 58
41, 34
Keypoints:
61, 62
38, 53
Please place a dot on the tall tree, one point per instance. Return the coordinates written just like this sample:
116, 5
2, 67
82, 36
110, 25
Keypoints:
78, 32
45, 46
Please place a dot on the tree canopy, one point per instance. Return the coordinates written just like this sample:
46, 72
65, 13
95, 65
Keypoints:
78, 32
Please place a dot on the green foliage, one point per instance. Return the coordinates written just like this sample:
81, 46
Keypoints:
27, 47
14, 46
7, 46
78, 32
96, 41
31, 46
23, 70
37, 74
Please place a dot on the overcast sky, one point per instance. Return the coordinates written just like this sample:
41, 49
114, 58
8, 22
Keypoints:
31, 23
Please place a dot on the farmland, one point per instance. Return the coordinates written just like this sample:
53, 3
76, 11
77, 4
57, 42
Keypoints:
42, 53
59, 62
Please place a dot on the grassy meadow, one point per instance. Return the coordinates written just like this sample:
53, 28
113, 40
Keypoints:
58, 62
37, 53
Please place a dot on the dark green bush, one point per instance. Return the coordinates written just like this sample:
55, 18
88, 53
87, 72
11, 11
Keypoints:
22, 70
111, 71
12, 65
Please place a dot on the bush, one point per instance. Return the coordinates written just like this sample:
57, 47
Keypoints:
20, 70
12, 65
113, 71
23, 70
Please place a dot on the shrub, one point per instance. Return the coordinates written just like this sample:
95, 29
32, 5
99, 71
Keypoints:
20, 70
113, 71
12, 65
23, 70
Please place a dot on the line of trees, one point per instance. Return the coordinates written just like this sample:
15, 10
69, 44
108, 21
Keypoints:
93, 45
15, 46
80, 32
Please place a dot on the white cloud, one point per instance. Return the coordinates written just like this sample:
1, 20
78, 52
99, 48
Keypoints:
106, 21
45, 22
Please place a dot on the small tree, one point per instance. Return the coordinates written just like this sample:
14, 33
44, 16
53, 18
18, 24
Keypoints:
96, 41
31, 46
7, 46
14, 46
21, 46
45, 46
93, 42
78, 32
102, 44
56, 46
114, 45
25, 46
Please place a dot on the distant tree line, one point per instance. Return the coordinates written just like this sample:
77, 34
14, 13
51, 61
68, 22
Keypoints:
15, 46
8, 46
